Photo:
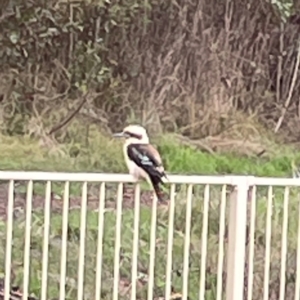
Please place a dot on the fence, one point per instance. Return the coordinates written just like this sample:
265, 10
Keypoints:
236, 246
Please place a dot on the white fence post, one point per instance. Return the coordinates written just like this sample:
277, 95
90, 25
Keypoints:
237, 241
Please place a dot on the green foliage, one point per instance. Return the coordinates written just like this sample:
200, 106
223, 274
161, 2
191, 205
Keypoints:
91, 252
284, 7
187, 160
104, 154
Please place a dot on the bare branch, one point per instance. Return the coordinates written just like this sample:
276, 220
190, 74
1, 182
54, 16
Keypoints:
71, 115
291, 90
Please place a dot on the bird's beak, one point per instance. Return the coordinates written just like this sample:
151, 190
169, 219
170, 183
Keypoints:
119, 135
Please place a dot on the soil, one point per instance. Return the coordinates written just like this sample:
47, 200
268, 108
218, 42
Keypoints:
15, 293
38, 201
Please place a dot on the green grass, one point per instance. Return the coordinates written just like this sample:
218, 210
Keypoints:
144, 243
99, 153
109, 238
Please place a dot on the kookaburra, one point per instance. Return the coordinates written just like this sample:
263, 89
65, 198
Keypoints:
142, 159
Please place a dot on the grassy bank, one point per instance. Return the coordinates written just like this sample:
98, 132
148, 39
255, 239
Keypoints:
97, 152
102, 154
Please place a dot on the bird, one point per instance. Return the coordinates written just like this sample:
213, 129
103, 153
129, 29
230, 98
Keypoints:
142, 159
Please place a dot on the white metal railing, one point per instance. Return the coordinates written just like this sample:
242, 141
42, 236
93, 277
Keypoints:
236, 248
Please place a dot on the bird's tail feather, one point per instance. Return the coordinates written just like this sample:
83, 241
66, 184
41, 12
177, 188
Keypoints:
156, 181
158, 191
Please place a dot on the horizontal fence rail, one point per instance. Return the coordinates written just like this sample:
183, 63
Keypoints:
201, 243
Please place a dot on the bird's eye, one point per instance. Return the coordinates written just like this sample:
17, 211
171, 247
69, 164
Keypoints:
126, 134
132, 135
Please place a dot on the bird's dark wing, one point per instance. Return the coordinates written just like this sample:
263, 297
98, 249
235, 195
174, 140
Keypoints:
147, 157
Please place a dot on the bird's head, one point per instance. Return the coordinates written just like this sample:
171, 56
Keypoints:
134, 134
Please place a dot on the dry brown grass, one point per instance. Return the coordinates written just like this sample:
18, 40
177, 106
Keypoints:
176, 66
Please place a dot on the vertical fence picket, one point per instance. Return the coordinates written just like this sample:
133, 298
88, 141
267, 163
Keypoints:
187, 240
26, 275
64, 242
284, 240
251, 244
118, 242
80, 283
135, 246
98, 283
152, 249
170, 243
268, 243
9, 240
221, 243
204, 243
47, 210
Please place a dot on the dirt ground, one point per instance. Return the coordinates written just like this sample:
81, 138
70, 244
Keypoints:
15, 293
74, 202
